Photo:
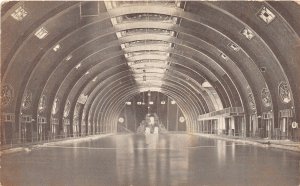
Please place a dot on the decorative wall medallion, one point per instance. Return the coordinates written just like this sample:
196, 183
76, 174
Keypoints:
42, 103
55, 106
284, 92
67, 109
27, 100
251, 101
266, 97
7, 95
266, 15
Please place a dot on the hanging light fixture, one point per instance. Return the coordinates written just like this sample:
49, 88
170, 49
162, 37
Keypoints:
149, 100
143, 103
144, 76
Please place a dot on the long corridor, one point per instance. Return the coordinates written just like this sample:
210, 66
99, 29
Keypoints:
75, 75
142, 160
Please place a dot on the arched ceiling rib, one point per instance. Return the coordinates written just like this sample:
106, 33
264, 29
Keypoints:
108, 111
169, 46
182, 94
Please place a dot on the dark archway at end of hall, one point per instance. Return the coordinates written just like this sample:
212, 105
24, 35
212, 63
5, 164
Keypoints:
151, 103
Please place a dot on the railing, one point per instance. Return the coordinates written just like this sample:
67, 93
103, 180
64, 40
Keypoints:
259, 134
223, 132
25, 142
122, 129
226, 111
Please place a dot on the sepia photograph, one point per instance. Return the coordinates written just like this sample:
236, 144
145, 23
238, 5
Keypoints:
150, 93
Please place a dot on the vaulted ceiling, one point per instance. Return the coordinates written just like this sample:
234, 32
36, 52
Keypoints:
205, 55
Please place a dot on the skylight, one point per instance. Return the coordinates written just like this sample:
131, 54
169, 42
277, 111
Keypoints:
78, 66
266, 15
247, 33
206, 84
234, 46
19, 14
224, 56
95, 78
41, 33
69, 57
148, 52
56, 47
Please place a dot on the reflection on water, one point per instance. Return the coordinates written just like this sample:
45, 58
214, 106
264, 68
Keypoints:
233, 151
221, 150
151, 162
142, 160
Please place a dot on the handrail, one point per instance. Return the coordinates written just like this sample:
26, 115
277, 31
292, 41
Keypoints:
26, 142
226, 111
